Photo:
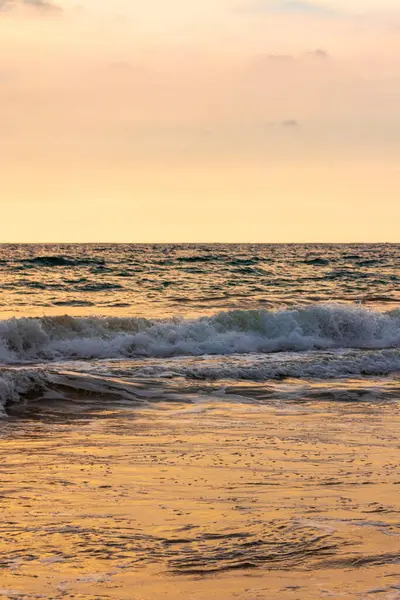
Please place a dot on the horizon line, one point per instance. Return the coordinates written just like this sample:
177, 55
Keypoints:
196, 243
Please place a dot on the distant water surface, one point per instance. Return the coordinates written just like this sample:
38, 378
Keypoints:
160, 280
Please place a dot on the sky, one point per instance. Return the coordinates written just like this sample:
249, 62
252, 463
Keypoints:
200, 121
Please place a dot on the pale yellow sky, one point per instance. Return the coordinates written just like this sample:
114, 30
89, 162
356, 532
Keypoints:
219, 120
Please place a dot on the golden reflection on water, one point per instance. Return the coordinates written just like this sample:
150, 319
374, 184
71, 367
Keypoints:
187, 501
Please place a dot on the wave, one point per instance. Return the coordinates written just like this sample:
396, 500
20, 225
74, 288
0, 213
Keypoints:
317, 376
317, 261
24, 386
60, 261
99, 287
199, 258
18, 384
260, 367
225, 333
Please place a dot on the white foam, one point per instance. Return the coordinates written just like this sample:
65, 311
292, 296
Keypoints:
313, 376
341, 341
316, 327
260, 367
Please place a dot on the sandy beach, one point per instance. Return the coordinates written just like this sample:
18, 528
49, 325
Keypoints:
216, 499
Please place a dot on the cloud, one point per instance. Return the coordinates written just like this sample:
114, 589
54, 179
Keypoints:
290, 123
287, 58
40, 5
291, 6
287, 61
320, 53
266, 62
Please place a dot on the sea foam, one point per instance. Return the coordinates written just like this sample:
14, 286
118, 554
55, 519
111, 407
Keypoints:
225, 333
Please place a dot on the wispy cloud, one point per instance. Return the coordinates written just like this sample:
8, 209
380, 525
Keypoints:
319, 53
287, 58
288, 62
39, 5
290, 123
291, 6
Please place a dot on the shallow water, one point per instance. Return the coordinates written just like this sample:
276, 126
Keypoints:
225, 498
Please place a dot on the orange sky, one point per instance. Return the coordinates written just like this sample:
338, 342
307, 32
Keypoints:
222, 120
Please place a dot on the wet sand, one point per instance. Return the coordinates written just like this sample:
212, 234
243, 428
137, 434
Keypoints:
219, 500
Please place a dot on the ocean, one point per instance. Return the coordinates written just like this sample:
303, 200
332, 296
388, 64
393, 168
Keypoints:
195, 421
204, 317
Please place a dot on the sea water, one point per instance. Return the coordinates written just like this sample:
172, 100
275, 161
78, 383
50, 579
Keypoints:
285, 319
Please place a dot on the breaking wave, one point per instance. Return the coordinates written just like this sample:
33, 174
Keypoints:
334, 376
226, 333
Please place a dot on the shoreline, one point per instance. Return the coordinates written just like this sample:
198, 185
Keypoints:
187, 500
